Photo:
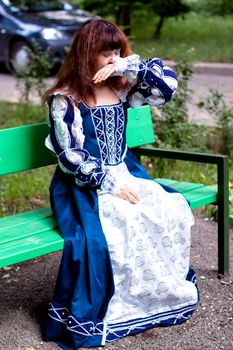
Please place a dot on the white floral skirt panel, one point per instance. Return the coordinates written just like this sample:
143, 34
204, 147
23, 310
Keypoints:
149, 245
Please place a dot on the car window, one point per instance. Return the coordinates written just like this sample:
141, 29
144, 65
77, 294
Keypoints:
35, 6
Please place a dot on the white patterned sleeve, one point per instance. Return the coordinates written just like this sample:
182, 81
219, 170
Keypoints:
66, 141
151, 81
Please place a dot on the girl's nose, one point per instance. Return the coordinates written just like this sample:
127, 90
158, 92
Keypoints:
114, 55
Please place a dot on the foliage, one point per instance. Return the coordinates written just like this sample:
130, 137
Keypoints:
123, 10
223, 114
119, 10
201, 32
174, 131
213, 7
171, 121
32, 77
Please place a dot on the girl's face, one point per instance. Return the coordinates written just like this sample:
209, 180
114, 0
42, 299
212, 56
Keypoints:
106, 57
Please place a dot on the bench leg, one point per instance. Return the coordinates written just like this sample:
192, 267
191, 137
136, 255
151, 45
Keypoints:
223, 217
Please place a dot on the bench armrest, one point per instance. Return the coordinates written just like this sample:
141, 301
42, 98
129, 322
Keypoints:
221, 162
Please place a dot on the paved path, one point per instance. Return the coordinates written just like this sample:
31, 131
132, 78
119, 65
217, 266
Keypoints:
207, 76
205, 80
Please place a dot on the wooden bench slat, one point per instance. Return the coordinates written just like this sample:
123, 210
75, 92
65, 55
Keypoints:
31, 247
140, 121
197, 194
39, 239
30, 216
167, 182
184, 187
180, 186
27, 142
201, 196
27, 229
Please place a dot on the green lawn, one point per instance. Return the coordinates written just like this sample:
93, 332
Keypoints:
210, 38
14, 114
28, 190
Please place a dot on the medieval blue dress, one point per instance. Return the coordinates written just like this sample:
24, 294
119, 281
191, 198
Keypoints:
125, 267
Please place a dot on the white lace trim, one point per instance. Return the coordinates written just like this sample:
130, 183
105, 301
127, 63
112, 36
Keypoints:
127, 66
114, 180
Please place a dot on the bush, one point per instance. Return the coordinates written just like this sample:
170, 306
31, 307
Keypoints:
32, 78
223, 114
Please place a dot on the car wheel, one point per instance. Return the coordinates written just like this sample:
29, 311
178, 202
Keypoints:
19, 57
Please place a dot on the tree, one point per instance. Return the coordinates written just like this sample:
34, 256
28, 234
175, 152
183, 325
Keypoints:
119, 9
122, 10
165, 9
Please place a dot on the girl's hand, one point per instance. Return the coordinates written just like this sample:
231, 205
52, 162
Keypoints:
128, 194
104, 73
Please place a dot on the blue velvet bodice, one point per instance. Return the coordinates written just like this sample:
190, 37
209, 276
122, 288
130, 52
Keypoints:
104, 129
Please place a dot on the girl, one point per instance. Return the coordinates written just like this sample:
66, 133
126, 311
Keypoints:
125, 264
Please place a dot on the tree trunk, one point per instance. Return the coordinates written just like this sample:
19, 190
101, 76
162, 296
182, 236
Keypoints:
159, 28
123, 19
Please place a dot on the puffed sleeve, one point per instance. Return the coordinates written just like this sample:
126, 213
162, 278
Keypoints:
151, 81
66, 140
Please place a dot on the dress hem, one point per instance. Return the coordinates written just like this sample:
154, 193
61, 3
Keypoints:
109, 332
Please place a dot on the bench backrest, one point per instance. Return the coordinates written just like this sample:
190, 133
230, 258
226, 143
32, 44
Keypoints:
22, 148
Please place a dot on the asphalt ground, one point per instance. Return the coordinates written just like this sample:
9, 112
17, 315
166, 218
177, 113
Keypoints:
26, 289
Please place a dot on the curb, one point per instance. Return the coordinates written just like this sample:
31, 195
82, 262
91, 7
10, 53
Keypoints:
225, 69
214, 68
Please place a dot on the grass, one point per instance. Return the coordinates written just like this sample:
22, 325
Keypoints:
30, 189
25, 191
210, 38
14, 114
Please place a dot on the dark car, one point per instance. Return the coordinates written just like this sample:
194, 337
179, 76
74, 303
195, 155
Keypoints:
51, 23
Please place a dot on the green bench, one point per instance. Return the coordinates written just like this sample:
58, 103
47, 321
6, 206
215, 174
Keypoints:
29, 235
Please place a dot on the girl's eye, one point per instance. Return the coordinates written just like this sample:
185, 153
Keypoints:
109, 53
106, 53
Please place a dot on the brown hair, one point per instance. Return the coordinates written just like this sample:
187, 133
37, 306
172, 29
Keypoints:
78, 69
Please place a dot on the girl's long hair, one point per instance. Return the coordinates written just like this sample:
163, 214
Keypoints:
79, 67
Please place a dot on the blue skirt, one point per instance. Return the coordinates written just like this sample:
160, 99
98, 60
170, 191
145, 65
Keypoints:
85, 282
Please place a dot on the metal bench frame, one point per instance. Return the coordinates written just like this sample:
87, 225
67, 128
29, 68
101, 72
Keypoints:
22, 148
222, 202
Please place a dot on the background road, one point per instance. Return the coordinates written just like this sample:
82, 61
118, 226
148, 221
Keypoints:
206, 78
214, 76
26, 288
